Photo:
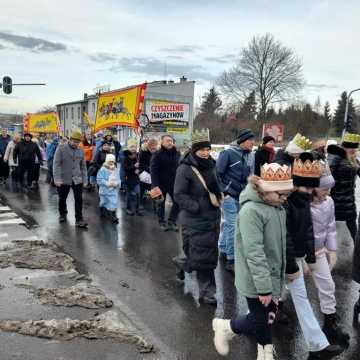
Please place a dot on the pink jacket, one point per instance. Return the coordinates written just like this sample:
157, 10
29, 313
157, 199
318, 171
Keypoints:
323, 217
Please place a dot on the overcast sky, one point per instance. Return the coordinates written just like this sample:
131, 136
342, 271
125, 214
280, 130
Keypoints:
75, 45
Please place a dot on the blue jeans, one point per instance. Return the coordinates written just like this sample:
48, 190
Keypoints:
314, 336
230, 208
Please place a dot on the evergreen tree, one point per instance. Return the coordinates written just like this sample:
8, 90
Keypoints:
338, 122
327, 113
211, 102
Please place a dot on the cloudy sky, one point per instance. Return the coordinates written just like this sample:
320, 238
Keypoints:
75, 45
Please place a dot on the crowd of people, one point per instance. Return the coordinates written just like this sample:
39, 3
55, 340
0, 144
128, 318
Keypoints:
269, 216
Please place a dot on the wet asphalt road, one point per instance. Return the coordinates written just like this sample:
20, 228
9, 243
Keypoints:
132, 261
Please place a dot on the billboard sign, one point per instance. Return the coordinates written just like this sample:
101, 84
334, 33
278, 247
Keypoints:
274, 130
166, 116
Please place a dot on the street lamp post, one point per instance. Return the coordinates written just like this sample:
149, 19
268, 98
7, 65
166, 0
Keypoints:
347, 106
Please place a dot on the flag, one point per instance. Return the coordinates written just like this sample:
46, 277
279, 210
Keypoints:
120, 107
41, 123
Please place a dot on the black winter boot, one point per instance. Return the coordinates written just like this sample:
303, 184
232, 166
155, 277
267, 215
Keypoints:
327, 353
333, 331
114, 218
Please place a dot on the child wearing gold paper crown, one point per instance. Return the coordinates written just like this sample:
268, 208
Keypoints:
323, 217
300, 247
260, 254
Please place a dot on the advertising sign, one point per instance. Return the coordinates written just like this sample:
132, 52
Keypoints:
47, 123
274, 130
120, 107
166, 116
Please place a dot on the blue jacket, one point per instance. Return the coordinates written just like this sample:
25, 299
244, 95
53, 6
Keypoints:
50, 150
234, 166
102, 178
4, 140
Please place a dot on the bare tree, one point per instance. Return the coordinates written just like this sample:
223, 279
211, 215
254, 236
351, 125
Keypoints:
267, 67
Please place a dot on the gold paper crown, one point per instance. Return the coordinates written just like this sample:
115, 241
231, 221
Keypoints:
302, 142
275, 172
200, 136
351, 138
310, 169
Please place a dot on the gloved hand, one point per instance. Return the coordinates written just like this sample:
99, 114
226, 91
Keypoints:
291, 277
332, 259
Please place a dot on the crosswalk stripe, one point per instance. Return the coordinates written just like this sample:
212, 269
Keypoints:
8, 215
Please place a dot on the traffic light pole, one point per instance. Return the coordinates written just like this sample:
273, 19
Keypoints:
347, 107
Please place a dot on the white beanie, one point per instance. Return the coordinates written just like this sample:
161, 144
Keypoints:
110, 157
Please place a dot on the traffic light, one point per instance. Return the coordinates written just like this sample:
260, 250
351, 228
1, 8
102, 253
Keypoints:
7, 84
348, 124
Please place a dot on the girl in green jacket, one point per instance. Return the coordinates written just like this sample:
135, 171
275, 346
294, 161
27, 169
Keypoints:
260, 256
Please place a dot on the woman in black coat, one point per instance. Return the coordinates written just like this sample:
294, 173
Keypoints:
265, 153
199, 218
344, 168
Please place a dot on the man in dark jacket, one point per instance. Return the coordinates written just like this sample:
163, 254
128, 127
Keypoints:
25, 153
233, 166
108, 138
4, 167
265, 153
164, 163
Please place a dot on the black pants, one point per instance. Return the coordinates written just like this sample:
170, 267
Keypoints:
173, 212
36, 173
63, 192
351, 224
4, 170
256, 322
28, 168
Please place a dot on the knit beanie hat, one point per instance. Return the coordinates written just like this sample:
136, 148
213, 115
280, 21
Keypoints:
275, 177
267, 139
110, 157
243, 135
200, 139
306, 171
327, 181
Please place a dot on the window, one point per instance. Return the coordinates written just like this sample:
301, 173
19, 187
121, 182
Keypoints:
93, 108
72, 113
66, 113
79, 112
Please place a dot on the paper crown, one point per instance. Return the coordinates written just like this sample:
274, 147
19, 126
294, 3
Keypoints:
351, 138
200, 136
275, 172
307, 169
302, 142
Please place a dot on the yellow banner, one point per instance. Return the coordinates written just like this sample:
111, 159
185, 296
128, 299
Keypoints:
120, 107
41, 123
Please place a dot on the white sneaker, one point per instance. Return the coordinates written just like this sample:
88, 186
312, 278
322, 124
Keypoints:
270, 353
260, 352
223, 335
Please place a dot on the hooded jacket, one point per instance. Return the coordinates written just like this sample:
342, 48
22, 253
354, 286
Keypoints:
324, 224
260, 246
300, 234
283, 158
343, 193
234, 166
262, 156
